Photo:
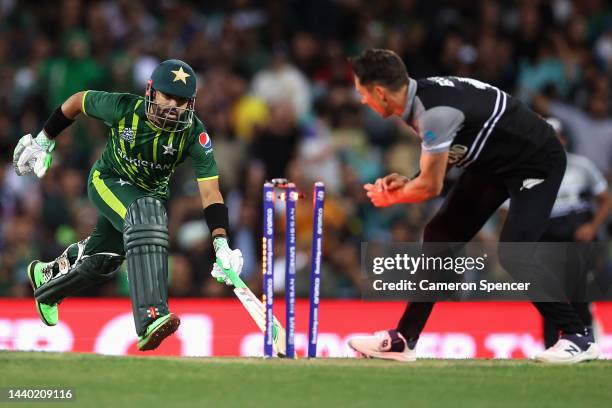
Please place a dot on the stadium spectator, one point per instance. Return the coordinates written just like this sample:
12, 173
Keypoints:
591, 130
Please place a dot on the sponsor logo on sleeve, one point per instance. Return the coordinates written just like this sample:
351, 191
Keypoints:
429, 137
205, 140
456, 153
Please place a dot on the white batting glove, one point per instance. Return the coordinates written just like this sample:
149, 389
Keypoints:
228, 258
33, 155
219, 275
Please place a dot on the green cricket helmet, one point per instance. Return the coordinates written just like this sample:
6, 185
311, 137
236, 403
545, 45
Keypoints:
173, 78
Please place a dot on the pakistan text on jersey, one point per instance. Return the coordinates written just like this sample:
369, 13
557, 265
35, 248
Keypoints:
143, 163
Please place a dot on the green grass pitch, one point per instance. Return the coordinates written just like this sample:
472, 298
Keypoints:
104, 381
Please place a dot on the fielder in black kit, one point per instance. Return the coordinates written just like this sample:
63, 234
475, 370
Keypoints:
506, 150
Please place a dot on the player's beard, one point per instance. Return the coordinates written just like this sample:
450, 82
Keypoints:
166, 118
169, 118
171, 115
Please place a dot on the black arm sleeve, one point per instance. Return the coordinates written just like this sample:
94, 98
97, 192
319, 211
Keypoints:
56, 123
217, 217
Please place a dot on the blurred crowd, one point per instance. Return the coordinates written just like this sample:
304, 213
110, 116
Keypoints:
276, 94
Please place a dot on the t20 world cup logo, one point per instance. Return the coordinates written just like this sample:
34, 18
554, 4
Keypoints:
127, 135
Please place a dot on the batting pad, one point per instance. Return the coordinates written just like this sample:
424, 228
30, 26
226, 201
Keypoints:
145, 236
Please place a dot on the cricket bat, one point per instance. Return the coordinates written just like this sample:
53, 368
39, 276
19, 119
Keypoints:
257, 310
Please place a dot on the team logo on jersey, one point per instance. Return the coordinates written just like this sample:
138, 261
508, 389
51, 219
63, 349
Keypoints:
169, 149
205, 140
127, 135
456, 153
530, 183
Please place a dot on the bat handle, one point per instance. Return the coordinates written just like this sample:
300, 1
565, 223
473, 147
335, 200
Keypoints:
233, 276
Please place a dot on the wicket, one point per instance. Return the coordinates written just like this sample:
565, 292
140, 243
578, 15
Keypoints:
290, 196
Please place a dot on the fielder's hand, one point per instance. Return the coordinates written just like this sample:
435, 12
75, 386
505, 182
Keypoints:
33, 155
386, 191
394, 181
383, 198
228, 258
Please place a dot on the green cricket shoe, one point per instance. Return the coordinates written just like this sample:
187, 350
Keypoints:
157, 331
49, 314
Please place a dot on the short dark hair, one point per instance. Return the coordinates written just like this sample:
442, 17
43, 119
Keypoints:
380, 66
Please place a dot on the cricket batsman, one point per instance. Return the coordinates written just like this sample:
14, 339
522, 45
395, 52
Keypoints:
147, 138
506, 151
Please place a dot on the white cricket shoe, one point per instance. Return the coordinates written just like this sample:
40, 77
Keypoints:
386, 344
571, 349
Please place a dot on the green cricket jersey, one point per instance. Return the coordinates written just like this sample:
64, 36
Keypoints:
140, 153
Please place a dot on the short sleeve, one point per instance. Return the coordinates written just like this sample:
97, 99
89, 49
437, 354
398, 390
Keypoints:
597, 181
438, 127
201, 153
102, 105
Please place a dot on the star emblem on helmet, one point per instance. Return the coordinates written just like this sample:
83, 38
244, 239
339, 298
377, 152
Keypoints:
169, 149
180, 75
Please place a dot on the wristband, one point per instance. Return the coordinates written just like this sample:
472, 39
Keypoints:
217, 217
56, 123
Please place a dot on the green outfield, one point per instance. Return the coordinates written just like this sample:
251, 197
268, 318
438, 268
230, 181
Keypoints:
101, 381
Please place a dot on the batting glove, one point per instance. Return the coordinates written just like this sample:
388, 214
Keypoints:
33, 155
228, 258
